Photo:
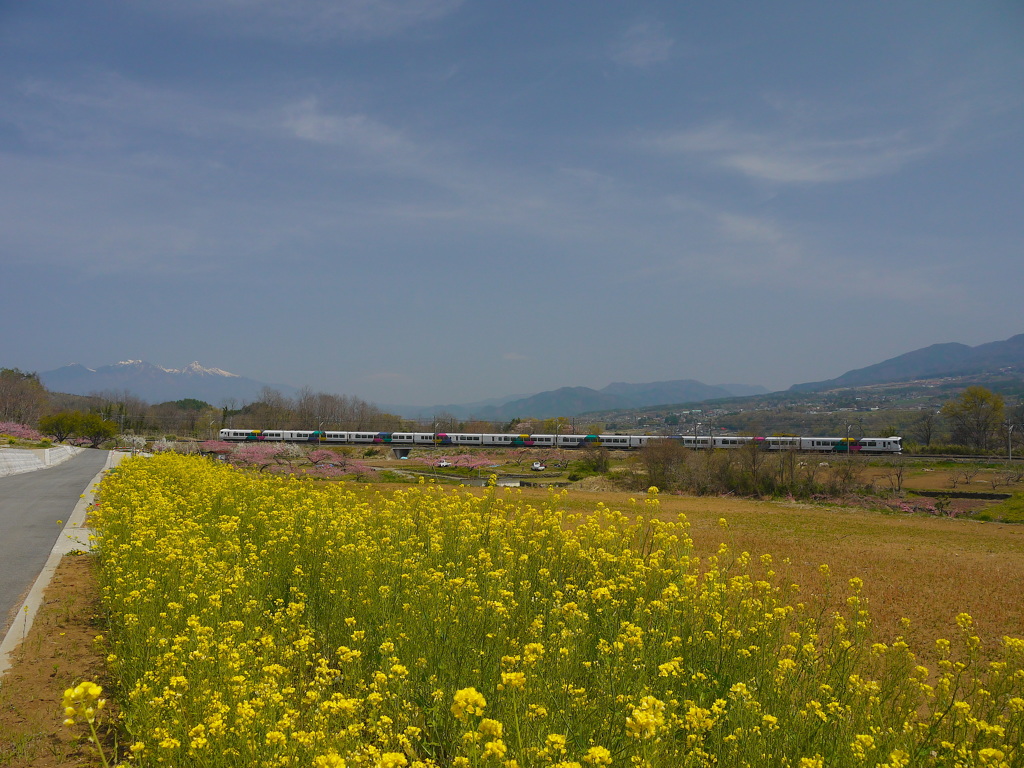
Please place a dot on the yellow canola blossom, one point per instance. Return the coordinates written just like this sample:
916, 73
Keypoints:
83, 702
274, 621
468, 701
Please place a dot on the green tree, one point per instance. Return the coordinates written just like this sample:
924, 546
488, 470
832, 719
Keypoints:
96, 429
61, 425
975, 417
557, 425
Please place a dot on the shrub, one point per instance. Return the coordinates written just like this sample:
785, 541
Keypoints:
19, 431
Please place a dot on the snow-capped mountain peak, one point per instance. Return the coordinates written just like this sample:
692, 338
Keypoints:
192, 369
195, 369
157, 384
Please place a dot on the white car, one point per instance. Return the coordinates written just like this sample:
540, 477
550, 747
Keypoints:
444, 463
538, 467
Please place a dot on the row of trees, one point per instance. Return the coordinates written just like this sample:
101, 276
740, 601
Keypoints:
319, 410
23, 398
91, 427
747, 471
978, 419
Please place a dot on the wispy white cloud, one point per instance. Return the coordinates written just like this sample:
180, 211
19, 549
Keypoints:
643, 44
189, 182
784, 157
758, 250
107, 111
307, 121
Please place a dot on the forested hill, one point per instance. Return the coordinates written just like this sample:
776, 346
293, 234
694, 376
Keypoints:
936, 361
571, 401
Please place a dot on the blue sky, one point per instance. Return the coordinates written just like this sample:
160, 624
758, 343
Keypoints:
435, 201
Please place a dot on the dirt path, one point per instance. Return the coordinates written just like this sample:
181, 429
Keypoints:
57, 652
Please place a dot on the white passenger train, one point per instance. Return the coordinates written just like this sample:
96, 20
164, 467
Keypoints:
624, 442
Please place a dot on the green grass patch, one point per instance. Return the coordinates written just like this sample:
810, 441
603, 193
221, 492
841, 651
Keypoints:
1009, 511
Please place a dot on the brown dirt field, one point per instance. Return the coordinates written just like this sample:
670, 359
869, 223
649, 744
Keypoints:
926, 569
57, 653
919, 478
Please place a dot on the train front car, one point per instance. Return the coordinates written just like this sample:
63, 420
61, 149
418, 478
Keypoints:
892, 444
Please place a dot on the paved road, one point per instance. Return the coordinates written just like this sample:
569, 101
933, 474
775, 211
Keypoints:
30, 506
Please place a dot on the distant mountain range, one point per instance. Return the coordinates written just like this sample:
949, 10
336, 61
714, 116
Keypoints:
572, 401
157, 385
936, 361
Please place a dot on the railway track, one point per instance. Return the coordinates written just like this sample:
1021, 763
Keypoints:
962, 457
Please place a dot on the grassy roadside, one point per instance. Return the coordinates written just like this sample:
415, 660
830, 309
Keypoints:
58, 651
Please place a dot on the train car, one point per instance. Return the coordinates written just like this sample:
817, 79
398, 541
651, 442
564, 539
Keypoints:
577, 441
392, 438
235, 435
697, 442
510, 441
782, 443
615, 442
304, 436
891, 444
867, 445
543, 441
585, 441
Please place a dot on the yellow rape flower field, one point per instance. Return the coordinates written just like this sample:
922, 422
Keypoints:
267, 621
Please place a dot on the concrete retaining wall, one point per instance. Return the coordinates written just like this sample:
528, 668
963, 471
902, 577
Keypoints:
14, 461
